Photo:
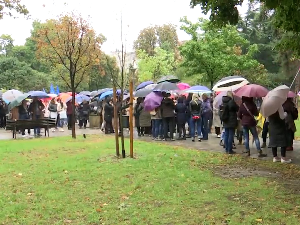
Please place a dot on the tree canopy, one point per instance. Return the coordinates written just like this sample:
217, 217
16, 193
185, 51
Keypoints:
216, 53
164, 36
223, 12
8, 6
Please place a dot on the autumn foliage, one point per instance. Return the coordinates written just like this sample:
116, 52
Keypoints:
71, 46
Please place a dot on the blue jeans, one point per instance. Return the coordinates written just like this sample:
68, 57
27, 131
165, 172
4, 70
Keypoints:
205, 127
193, 124
228, 139
157, 128
37, 131
253, 131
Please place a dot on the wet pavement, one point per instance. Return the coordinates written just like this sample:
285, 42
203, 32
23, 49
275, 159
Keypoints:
212, 144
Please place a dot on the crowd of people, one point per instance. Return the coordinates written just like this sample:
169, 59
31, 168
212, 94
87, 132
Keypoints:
194, 116
191, 116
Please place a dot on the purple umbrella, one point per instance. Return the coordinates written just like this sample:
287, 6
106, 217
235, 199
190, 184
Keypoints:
144, 84
152, 101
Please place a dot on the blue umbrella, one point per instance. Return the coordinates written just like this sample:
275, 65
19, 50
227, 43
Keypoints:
107, 93
52, 91
144, 84
197, 89
79, 98
39, 94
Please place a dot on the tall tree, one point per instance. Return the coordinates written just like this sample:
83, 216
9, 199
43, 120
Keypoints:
164, 36
72, 45
223, 12
6, 44
216, 52
153, 67
7, 6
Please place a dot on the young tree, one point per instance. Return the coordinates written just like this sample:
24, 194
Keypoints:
6, 44
72, 45
216, 53
152, 67
6, 6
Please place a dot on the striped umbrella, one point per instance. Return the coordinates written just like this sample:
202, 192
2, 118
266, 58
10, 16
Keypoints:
230, 83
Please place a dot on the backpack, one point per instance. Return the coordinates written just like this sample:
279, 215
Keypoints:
224, 113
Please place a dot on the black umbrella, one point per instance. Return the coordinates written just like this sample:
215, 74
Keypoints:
165, 87
169, 78
142, 93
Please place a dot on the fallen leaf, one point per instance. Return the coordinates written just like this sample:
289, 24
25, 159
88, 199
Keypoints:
98, 210
66, 171
68, 221
258, 220
29, 194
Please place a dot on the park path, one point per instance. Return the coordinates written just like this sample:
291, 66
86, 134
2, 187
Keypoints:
212, 144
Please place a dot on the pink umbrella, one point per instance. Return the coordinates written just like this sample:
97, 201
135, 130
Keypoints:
152, 101
291, 94
252, 90
183, 86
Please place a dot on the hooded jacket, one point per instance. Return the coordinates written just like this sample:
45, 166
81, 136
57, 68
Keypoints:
167, 108
233, 109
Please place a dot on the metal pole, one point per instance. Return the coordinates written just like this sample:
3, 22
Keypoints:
116, 121
131, 117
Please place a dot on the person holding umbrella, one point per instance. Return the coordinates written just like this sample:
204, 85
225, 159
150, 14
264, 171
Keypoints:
246, 114
278, 134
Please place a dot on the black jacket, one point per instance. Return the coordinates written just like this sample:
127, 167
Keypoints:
233, 109
181, 111
195, 108
108, 112
167, 108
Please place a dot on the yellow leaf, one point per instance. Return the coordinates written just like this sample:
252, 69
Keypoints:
258, 220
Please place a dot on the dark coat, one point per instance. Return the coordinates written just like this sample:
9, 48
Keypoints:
145, 117
195, 108
69, 108
108, 112
136, 114
181, 111
207, 109
244, 115
84, 111
167, 108
277, 131
233, 109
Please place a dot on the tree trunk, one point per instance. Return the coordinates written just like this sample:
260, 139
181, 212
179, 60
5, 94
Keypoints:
211, 84
121, 126
73, 105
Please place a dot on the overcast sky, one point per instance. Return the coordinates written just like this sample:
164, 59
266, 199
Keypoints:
104, 17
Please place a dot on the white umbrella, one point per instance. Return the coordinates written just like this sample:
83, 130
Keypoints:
274, 100
11, 95
230, 83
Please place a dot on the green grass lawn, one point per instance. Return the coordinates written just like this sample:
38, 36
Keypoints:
297, 134
64, 181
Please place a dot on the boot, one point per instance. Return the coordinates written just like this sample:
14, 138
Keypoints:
264, 145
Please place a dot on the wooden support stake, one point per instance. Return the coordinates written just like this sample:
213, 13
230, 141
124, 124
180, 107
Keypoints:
116, 121
131, 118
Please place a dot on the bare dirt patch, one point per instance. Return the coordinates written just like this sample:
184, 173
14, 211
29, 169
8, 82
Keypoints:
240, 172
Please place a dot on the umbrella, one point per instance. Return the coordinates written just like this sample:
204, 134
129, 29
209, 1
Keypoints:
291, 94
183, 86
218, 99
274, 100
17, 101
230, 83
65, 96
39, 94
105, 94
99, 92
165, 87
169, 78
93, 93
144, 84
197, 89
87, 93
152, 101
11, 95
79, 98
142, 93
252, 90
150, 87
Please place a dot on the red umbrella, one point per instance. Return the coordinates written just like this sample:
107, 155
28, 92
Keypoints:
291, 94
252, 90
